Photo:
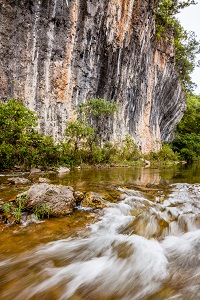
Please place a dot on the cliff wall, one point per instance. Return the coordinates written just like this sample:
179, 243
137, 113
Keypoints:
58, 53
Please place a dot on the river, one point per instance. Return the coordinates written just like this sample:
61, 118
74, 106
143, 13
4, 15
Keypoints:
144, 245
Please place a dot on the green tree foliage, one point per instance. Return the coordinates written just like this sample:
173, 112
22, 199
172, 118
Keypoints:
78, 136
84, 142
188, 145
15, 120
187, 142
190, 122
169, 8
129, 150
97, 113
186, 45
78, 132
166, 154
97, 107
20, 143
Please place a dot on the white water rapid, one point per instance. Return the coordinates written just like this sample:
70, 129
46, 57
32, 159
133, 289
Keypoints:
139, 249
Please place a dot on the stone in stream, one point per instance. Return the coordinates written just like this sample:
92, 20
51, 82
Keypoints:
94, 200
63, 170
49, 199
35, 171
79, 196
44, 180
18, 180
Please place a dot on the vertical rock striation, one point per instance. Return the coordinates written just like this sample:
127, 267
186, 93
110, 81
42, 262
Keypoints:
58, 53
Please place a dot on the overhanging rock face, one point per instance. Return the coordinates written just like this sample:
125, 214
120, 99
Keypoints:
58, 53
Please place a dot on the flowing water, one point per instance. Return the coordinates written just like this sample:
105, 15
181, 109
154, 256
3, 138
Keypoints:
145, 245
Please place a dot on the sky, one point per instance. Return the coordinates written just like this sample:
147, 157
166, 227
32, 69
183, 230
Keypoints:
190, 20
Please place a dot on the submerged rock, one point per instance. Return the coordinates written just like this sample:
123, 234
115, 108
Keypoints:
94, 200
49, 199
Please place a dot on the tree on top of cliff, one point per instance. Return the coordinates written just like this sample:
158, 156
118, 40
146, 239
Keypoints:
169, 8
186, 45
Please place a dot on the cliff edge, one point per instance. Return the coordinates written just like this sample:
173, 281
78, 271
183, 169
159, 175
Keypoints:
57, 53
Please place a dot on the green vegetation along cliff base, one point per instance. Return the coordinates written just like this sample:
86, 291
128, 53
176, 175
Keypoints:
84, 142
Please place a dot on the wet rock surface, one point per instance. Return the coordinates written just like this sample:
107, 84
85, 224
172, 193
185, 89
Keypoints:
79, 196
63, 170
58, 200
35, 171
18, 180
94, 200
44, 180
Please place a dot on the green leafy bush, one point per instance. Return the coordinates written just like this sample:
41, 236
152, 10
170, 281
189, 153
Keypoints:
42, 211
84, 139
166, 154
188, 145
78, 136
187, 141
190, 122
129, 151
6, 209
20, 143
15, 120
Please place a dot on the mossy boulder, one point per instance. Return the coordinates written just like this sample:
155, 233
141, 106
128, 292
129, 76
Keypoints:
94, 200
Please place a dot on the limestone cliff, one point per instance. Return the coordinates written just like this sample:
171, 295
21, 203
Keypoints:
57, 53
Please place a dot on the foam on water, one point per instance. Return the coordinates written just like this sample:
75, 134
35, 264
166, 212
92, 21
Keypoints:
119, 257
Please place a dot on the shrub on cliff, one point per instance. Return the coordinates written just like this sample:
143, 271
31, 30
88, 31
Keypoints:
20, 143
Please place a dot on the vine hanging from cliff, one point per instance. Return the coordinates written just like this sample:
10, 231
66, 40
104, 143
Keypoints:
186, 45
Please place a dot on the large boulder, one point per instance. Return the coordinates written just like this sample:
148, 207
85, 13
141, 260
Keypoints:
94, 200
54, 200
